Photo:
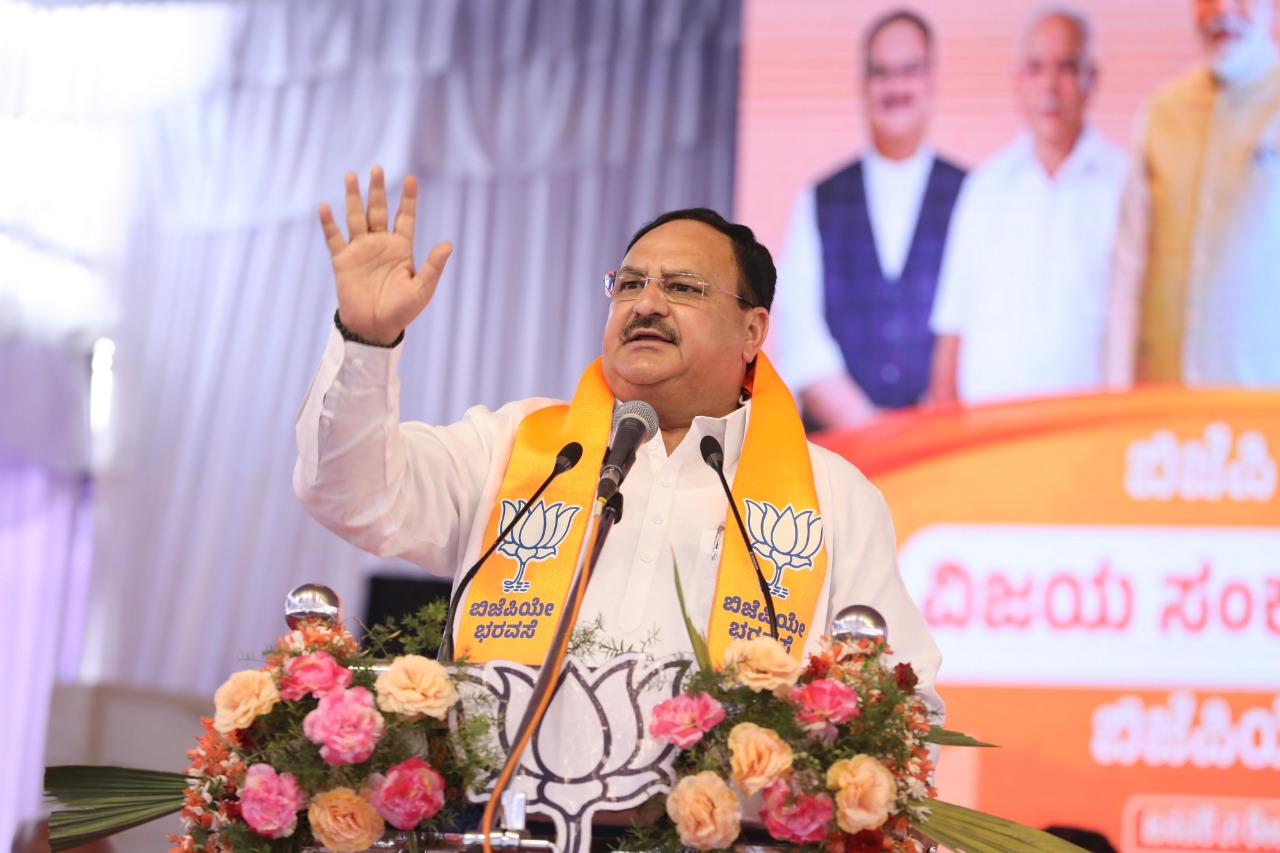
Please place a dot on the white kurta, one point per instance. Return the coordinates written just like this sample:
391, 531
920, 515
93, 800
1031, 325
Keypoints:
424, 493
1024, 276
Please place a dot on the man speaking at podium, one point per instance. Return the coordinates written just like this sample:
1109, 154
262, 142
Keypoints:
690, 310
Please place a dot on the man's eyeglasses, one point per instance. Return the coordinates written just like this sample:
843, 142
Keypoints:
680, 288
903, 71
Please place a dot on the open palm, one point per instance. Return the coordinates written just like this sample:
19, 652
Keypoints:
380, 292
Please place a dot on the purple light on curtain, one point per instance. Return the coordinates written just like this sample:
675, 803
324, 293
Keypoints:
45, 536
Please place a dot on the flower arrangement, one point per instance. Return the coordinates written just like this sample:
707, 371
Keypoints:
321, 737
324, 743
836, 750
831, 755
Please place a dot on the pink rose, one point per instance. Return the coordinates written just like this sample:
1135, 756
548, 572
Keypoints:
346, 725
317, 674
823, 704
412, 791
270, 801
684, 719
789, 815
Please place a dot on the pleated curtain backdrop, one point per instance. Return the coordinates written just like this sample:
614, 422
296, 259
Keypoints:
543, 133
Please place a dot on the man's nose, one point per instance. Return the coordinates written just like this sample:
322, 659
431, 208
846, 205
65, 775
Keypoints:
1220, 7
652, 300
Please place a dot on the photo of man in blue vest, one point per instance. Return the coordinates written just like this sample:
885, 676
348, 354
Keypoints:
863, 251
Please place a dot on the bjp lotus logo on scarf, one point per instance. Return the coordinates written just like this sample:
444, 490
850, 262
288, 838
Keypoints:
537, 537
788, 539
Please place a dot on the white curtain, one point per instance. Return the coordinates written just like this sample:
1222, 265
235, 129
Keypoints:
543, 133
44, 542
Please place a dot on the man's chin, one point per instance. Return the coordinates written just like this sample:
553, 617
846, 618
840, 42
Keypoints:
898, 131
633, 371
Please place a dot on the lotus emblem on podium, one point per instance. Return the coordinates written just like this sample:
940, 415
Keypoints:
537, 537
593, 751
788, 539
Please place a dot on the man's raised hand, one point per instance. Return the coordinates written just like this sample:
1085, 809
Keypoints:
379, 290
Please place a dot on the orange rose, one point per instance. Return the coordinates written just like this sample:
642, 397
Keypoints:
865, 791
242, 698
759, 757
344, 821
415, 687
706, 811
760, 664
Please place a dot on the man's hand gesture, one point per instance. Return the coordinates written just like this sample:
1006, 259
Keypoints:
379, 290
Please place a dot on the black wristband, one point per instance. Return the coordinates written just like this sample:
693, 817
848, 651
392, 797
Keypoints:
348, 335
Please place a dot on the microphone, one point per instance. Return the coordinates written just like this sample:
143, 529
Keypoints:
568, 457
713, 455
634, 423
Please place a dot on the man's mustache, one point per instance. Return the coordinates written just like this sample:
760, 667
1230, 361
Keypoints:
1224, 25
1047, 104
651, 323
893, 101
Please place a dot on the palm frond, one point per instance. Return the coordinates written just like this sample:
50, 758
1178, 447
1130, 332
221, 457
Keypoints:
102, 801
946, 737
700, 652
968, 831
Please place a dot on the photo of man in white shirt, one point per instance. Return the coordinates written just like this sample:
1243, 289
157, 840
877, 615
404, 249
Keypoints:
1021, 300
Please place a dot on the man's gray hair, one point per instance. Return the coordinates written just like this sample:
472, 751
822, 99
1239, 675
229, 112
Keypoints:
1072, 16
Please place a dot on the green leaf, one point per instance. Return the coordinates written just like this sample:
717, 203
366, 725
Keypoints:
700, 652
946, 737
105, 800
968, 831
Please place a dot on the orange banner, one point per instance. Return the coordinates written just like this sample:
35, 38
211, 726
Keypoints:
1103, 576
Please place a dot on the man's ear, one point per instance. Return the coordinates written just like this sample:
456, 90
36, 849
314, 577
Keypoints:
1089, 78
757, 329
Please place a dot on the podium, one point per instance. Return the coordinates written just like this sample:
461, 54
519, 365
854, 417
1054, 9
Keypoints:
593, 753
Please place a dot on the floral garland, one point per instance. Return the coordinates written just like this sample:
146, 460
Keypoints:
836, 750
316, 738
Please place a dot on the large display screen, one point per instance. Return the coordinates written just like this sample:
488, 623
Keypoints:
1056, 354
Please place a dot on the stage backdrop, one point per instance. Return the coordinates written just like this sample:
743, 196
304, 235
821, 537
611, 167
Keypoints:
1102, 572
1103, 576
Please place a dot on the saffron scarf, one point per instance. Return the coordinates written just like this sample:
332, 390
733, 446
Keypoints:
517, 600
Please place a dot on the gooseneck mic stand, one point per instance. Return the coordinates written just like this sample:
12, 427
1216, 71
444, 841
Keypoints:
713, 455
607, 513
565, 460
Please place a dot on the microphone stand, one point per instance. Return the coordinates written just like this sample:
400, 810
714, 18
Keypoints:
608, 512
567, 459
713, 455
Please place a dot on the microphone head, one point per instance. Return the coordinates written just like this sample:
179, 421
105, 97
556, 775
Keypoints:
637, 409
712, 452
568, 457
